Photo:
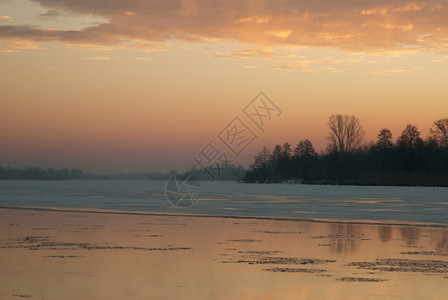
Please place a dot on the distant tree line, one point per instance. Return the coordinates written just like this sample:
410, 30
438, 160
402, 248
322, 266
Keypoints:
230, 172
407, 160
217, 172
36, 173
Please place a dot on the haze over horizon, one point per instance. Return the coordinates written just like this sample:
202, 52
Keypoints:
134, 86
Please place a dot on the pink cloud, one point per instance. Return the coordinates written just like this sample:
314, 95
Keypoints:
365, 25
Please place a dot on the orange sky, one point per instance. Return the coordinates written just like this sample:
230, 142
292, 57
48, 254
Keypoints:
144, 85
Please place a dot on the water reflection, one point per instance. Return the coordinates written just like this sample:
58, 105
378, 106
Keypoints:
345, 238
253, 256
439, 239
385, 233
411, 235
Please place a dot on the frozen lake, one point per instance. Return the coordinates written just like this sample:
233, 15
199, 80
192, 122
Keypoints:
419, 204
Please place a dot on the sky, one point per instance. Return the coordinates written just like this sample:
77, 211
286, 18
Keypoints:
145, 85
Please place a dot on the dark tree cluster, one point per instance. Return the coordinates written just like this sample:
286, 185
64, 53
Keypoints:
406, 160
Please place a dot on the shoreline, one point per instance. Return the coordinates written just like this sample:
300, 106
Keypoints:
323, 182
260, 218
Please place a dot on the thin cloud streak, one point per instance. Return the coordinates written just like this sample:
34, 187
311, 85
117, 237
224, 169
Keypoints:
97, 58
253, 53
386, 72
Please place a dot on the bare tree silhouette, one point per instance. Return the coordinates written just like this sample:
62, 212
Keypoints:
440, 132
409, 140
384, 145
304, 157
262, 163
346, 133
